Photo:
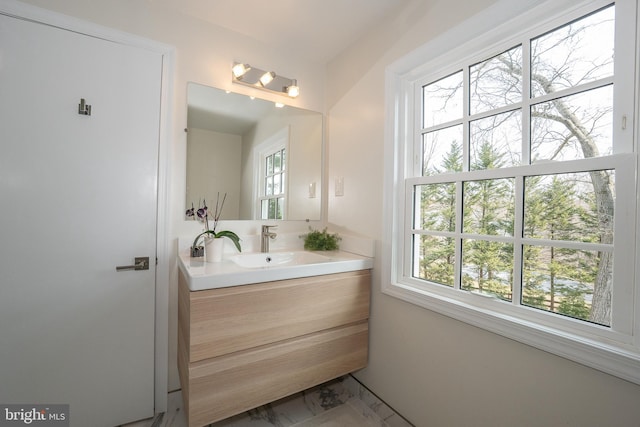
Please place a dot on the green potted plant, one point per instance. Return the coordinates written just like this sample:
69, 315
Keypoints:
317, 240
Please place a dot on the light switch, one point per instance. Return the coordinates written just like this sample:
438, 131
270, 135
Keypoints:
339, 187
312, 190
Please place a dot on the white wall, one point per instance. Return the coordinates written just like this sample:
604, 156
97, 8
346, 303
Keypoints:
203, 54
304, 163
434, 370
212, 169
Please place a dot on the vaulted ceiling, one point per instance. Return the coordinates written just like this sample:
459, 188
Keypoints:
314, 29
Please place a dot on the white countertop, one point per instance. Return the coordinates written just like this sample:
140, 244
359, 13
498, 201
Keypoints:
202, 275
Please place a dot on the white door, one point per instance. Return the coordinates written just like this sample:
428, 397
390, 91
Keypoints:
77, 198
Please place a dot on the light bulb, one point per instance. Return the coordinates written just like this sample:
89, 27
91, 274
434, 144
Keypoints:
293, 90
266, 78
240, 70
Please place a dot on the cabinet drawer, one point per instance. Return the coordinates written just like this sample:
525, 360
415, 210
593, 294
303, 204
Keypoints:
228, 320
228, 385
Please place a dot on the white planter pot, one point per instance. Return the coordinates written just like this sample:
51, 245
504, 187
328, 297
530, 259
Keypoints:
213, 249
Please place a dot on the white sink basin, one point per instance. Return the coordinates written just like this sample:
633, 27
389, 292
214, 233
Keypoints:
261, 260
247, 268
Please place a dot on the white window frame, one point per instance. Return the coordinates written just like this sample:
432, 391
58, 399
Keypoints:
276, 142
614, 350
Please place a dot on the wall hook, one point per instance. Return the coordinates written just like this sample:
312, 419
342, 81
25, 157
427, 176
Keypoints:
84, 109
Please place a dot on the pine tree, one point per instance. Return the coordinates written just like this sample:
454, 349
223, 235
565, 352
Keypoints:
438, 213
485, 212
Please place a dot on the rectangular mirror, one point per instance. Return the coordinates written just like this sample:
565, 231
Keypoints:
267, 159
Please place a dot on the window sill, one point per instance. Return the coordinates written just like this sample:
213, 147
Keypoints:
622, 362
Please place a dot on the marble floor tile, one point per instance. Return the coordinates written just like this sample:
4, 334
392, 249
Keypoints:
368, 414
343, 402
293, 409
340, 416
174, 417
364, 396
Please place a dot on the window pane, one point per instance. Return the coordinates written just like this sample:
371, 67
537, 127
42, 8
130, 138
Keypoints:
573, 127
436, 207
575, 283
276, 183
269, 165
435, 259
567, 206
496, 82
273, 206
283, 159
442, 151
268, 191
487, 267
577, 53
280, 208
442, 100
277, 162
496, 141
488, 207
264, 209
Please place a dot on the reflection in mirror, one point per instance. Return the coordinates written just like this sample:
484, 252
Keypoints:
268, 160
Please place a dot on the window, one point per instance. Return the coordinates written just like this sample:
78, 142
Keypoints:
273, 185
271, 164
516, 163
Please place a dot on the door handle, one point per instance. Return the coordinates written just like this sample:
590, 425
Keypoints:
141, 263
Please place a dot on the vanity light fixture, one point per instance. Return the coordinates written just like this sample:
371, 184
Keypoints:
265, 80
240, 70
293, 90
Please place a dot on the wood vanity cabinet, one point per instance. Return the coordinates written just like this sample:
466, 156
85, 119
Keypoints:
243, 346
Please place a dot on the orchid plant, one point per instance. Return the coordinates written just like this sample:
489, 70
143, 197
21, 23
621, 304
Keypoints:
203, 213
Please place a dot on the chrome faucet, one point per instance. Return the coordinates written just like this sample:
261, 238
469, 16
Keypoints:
266, 235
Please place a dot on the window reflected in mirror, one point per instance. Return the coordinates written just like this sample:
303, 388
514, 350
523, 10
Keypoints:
264, 158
